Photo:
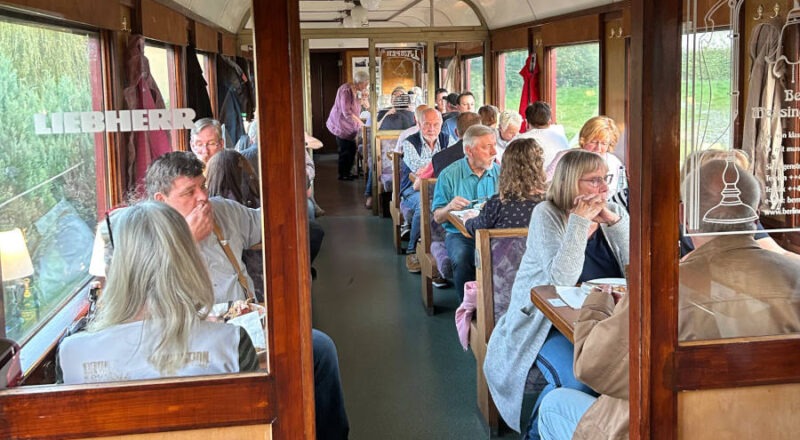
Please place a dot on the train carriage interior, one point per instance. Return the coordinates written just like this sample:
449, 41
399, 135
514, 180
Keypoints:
402, 219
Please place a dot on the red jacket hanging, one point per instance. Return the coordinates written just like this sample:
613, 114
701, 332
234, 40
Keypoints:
530, 87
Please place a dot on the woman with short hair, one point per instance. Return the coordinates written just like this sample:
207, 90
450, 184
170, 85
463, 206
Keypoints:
345, 123
508, 126
150, 320
575, 235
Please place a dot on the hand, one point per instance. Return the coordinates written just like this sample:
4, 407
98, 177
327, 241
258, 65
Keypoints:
201, 221
607, 216
357, 119
589, 206
457, 204
417, 184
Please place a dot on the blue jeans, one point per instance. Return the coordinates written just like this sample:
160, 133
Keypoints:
411, 198
461, 251
560, 413
555, 361
368, 188
331, 417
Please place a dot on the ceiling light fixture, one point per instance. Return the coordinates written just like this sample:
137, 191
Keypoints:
371, 4
359, 15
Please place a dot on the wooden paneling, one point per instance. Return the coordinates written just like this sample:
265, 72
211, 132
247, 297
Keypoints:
573, 30
768, 412
283, 192
227, 44
161, 23
470, 48
205, 38
67, 412
654, 195
510, 39
102, 14
261, 432
751, 361
615, 72
348, 67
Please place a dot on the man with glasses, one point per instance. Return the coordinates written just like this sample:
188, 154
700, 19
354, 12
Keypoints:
206, 139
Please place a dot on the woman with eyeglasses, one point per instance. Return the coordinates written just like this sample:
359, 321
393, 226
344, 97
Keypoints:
575, 235
150, 321
600, 135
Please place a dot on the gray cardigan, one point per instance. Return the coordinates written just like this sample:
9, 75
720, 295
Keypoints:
554, 255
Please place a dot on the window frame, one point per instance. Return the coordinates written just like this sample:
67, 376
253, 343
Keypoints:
281, 398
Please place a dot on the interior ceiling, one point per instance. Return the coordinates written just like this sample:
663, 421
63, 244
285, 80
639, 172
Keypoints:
233, 15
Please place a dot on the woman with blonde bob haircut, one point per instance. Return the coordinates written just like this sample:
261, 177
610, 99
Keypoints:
150, 318
600, 135
575, 235
521, 186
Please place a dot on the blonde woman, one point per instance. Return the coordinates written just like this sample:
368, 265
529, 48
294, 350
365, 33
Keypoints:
521, 186
600, 135
575, 235
150, 320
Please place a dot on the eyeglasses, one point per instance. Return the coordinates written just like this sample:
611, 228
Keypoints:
596, 181
211, 144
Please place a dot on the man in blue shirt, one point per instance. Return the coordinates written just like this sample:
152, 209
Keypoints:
460, 185
466, 103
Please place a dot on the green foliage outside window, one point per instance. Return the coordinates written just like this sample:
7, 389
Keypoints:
577, 75
514, 61
48, 182
476, 80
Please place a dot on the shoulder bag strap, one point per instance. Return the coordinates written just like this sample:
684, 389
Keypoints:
228, 253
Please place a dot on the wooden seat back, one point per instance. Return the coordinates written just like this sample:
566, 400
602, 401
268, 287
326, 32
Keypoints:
394, 207
426, 260
385, 143
498, 254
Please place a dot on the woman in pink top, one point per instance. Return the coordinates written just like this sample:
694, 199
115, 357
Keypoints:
344, 121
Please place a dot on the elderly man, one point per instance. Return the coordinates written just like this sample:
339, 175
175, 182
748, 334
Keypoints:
206, 139
730, 287
177, 179
465, 181
466, 103
417, 152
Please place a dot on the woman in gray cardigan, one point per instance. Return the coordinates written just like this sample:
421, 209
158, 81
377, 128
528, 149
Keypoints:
574, 236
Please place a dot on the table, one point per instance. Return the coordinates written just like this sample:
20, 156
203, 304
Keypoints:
564, 318
458, 222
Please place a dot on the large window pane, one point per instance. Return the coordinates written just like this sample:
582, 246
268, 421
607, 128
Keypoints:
162, 69
576, 70
48, 187
510, 85
475, 84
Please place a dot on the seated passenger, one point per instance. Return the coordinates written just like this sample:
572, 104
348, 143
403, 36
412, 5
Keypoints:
550, 136
399, 117
206, 138
150, 320
575, 235
489, 115
600, 135
466, 103
729, 287
508, 126
417, 152
521, 186
459, 186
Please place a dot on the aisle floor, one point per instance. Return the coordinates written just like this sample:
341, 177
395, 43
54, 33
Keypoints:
404, 373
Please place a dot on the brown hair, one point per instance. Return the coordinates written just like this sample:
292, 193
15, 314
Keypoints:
522, 175
231, 176
488, 115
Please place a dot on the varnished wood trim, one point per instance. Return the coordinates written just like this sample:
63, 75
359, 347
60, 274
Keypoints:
227, 44
205, 38
278, 59
731, 364
161, 23
653, 275
102, 14
67, 412
573, 30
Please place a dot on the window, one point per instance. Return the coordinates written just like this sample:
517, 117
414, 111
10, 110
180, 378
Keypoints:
509, 82
473, 68
52, 187
205, 66
162, 69
576, 70
706, 91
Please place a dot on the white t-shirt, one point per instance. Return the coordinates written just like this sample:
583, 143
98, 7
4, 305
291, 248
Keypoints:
552, 140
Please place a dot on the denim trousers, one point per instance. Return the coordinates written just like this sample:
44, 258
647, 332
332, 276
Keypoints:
411, 199
461, 251
561, 411
555, 361
331, 417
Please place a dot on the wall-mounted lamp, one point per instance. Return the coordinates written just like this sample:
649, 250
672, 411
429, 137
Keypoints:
17, 267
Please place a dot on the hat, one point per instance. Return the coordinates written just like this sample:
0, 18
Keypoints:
401, 101
312, 142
